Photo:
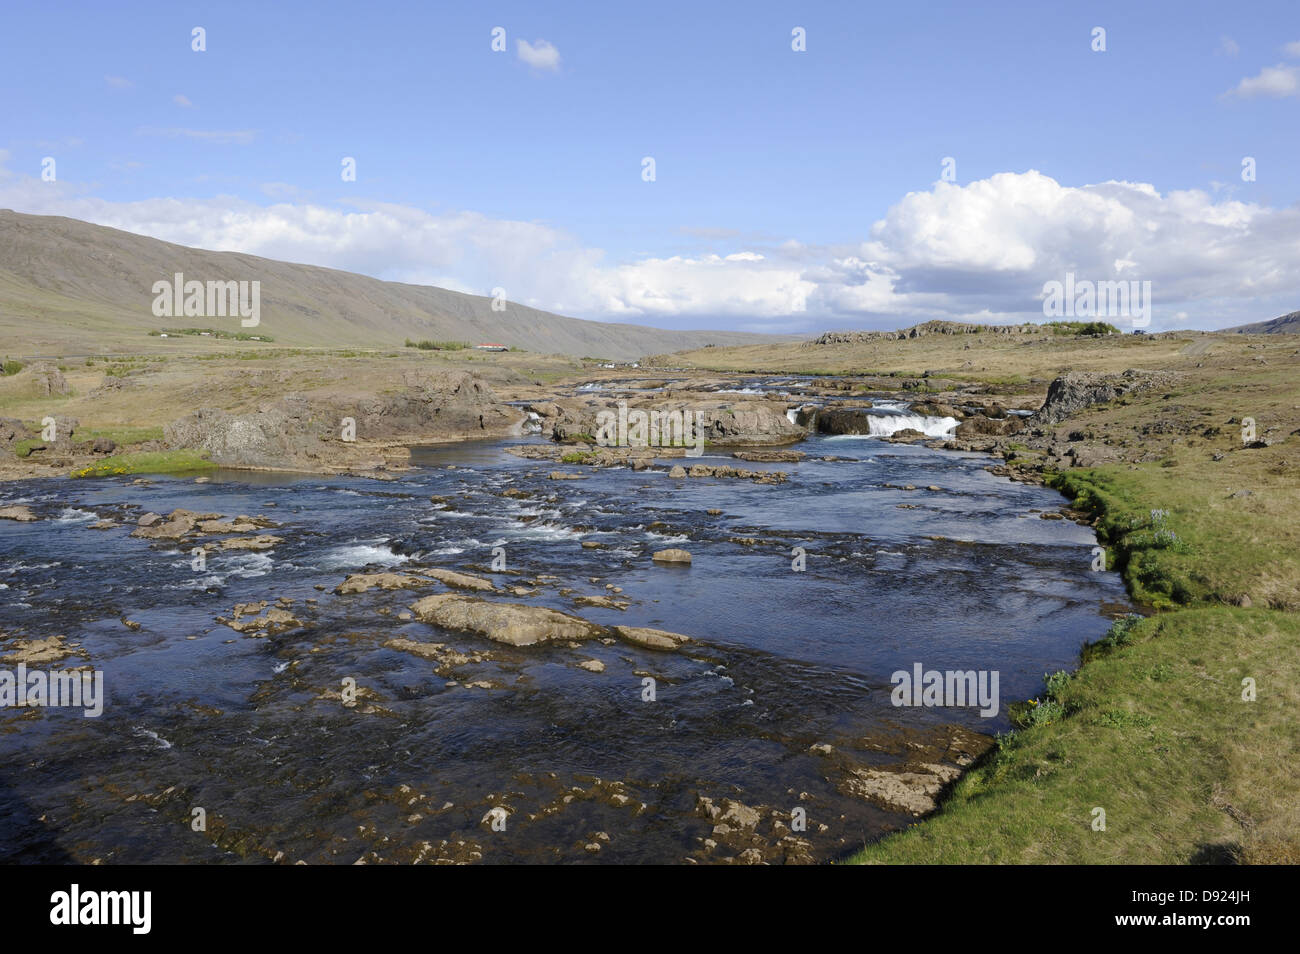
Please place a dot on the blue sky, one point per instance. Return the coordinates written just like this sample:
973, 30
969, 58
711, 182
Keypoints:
782, 178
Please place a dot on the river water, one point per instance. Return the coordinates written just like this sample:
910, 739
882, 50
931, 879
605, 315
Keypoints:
587, 768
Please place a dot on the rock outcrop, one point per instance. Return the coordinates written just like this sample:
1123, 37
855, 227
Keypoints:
303, 433
731, 423
1072, 392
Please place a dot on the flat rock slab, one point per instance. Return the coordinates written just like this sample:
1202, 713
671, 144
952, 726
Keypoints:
360, 582
648, 638
463, 581
914, 792
263, 541
515, 624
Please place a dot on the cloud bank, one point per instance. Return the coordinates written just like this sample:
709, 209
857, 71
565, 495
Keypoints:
978, 252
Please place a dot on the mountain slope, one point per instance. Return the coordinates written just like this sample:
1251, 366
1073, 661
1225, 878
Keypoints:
1286, 325
70, 285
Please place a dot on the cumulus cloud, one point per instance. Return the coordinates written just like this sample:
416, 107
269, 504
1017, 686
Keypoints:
540, 55
1280, 80
118, 82
182, 100
978, 252
1228, 46
1292, 49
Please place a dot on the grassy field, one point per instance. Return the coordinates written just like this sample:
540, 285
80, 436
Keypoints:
1153, 728
129, 398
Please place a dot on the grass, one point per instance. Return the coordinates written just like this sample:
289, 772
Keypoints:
1082, 328
427, 345
153, 462
211, 333
1154, 731
120, 435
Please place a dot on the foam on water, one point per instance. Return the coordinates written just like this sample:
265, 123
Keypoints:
882, 425
359, 554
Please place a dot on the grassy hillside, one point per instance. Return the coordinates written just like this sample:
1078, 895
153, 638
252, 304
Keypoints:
71, 287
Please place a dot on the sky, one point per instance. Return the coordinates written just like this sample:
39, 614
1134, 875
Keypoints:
910, 162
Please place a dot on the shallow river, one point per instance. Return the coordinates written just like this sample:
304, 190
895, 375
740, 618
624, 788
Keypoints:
252, 730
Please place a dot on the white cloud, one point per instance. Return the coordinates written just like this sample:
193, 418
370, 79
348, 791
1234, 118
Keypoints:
1280, 80
981, 251
241, 137
182, 100
1228, 46
540, 55
118, 82
1292, 49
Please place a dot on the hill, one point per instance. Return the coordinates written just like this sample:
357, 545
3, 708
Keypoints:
1286, 325
70, 286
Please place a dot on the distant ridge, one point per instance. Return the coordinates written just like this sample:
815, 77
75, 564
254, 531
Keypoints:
65, 283
1286, 325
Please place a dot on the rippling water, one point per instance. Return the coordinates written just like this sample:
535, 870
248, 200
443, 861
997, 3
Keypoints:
965, 577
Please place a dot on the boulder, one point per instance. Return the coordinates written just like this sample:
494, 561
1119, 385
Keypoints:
672, 555
977, 425
49, 380
1072, 392
177, 525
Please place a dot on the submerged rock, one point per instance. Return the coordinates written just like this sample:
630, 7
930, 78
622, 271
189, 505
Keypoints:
263, 541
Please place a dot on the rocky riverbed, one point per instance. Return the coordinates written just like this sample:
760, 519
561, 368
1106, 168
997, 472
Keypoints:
474, 661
